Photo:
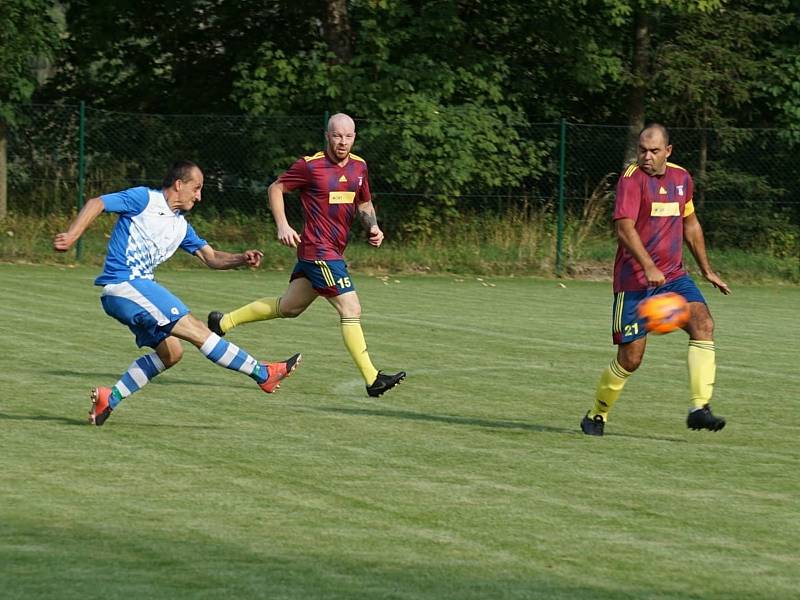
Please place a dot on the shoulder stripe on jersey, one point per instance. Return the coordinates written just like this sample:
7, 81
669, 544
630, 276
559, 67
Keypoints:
314, 157
631, 170
669, 164
356, 157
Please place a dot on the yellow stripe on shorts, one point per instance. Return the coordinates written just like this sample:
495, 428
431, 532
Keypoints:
326, 272
616, 326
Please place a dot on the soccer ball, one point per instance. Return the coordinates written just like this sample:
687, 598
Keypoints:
665, 312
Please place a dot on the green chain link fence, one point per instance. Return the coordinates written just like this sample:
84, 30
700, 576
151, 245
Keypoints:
748, 181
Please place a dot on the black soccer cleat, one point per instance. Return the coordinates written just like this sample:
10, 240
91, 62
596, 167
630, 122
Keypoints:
214, 318
703, 418
593, 426
383, 383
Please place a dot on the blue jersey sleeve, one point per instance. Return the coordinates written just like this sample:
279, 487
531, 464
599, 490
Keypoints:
192, 242
129, 202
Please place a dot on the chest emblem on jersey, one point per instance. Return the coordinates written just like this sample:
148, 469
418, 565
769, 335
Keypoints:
342, 179
665, 209
341, 197
661, 190
680, 189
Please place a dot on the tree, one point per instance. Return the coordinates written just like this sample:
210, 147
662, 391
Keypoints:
337, 30
711, 71
444, 108
173, 56
29, 36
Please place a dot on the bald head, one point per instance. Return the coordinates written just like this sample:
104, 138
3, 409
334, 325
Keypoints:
340, 135
341, 121
655, 130
654, 149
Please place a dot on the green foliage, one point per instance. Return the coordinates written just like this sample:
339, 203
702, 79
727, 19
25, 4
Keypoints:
29, 36
711, 65
783, 89
748, 221
510, 243
447, 95
452, 128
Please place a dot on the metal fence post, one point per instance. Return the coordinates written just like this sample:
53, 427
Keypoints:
81, 170
561, 184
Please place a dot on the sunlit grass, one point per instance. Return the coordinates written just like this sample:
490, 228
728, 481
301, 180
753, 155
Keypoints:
470, 481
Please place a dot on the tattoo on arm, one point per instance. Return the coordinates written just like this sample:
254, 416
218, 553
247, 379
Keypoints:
368, 219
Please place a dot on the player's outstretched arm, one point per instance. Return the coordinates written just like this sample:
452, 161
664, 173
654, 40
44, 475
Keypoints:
366, 212
217, 259
695, 240
90, 211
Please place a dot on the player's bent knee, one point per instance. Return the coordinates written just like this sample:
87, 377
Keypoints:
170, 352
630, 364
291, 312
702, 326
172, 359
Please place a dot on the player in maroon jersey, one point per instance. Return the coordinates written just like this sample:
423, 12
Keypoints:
334, 189
654, 215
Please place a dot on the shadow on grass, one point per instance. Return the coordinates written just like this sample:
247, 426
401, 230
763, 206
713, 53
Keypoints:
56, 419
88, 375
449, 419
85, 422
96, 377
476, 422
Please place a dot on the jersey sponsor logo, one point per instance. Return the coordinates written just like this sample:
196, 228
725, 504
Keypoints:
342, 179
665, 209
661, 190
341, 197
360, 181
680, 189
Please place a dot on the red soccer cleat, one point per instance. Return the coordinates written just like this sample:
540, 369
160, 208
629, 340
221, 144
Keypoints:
278, 371
101, 409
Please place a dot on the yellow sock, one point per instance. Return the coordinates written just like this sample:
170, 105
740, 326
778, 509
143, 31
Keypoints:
702, 371
258, 310
357, 346
608, 389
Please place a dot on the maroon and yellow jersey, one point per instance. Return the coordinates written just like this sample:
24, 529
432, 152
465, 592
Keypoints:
329, 195
657, 205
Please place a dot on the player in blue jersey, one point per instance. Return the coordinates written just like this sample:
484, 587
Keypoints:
150, 228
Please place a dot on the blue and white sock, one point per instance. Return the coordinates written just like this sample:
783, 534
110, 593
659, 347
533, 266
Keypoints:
139, 374
232, 357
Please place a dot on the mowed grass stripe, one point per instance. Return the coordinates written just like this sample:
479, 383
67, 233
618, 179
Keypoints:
470, 480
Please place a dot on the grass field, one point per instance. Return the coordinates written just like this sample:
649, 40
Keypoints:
470, 481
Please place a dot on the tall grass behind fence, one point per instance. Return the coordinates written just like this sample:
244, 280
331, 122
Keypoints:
748, 183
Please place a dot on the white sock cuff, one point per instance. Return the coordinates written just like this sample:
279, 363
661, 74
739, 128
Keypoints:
210, 343
159, 364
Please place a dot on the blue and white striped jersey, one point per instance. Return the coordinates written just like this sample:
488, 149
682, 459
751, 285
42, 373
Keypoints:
146, 234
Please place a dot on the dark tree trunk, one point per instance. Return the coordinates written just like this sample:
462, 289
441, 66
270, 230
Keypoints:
639, 82
702, 166
337, 30
3, 172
